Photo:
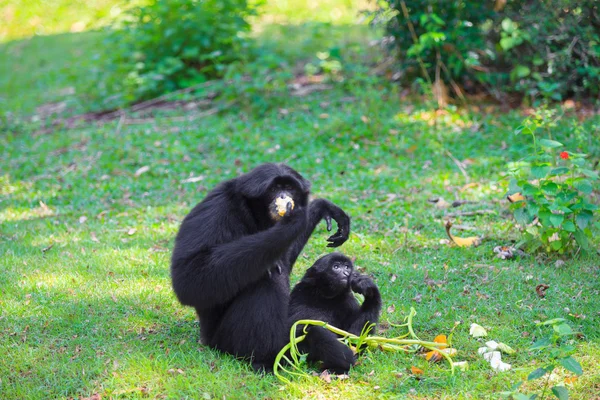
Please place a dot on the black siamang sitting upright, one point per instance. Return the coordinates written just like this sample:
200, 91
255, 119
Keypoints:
325, 294
234, 253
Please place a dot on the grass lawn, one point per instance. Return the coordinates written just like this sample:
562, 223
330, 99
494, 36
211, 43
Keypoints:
85, 300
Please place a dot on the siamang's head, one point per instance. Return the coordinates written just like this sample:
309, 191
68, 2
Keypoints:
276, 188
331, 274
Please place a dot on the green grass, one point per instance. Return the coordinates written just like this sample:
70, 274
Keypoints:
95, 312
85, 299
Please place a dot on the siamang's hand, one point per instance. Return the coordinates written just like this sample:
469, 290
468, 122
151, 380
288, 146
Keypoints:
295, 215
343, 222
363, 284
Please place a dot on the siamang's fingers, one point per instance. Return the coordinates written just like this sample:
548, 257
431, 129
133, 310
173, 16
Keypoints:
269, 273
288, 208
337, 239
278, 268
328, 222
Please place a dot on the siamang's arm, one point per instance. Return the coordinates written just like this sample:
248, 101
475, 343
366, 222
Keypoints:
216, 274
371, 307
323, 345
317, 210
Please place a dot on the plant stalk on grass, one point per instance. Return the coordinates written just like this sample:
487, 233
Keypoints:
395, 344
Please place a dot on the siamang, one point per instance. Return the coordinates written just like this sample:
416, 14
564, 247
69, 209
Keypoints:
234, 253
325, 294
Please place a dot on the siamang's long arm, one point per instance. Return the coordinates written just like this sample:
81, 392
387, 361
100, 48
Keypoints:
218, 273
317, 210
323, 345
371, 307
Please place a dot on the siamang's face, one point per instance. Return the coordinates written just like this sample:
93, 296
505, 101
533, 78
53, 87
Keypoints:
282, 197
335, 270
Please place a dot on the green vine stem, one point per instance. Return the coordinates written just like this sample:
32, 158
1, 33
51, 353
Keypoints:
395, 344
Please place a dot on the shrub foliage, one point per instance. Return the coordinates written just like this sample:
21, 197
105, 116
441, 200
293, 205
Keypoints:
169, 44
540, 49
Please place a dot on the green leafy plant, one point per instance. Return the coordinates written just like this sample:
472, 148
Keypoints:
554, 207
515, 47
557, 346
170, 44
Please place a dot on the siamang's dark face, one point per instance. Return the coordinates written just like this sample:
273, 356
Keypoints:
283, 195
274, 189
334, 271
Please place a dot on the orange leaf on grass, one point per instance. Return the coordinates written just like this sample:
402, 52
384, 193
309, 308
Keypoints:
416, 371
570, 379
441, 339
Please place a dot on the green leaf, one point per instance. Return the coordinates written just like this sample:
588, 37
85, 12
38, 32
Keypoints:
521, 396
571, 364
583, 219
521, 216
513, 186
584, 186
569, 226
550, 187
556, 220
541, 343
563, 329
561, 392
582, 239
550, 143
538, 373
529, 189
590, 174
544, 216
559, 171
540, 171
520, 71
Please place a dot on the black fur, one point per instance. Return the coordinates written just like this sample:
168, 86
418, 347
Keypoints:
325, 294
232, 260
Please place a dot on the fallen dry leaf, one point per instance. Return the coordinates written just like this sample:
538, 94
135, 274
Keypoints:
461, 365
95, 396
439, 203
477, 330
541, 290
416, 371
433, 356
570, 379
441, 339
131, 231
141, 170
391, 309
193, 179
462, 242
393, 278
513, 198
325, 376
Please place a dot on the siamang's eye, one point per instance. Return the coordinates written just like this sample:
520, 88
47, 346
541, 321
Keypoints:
335, 266
346, 267
288, 187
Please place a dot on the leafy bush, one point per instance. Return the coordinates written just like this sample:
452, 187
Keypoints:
554, 186
170, 44
547, 49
